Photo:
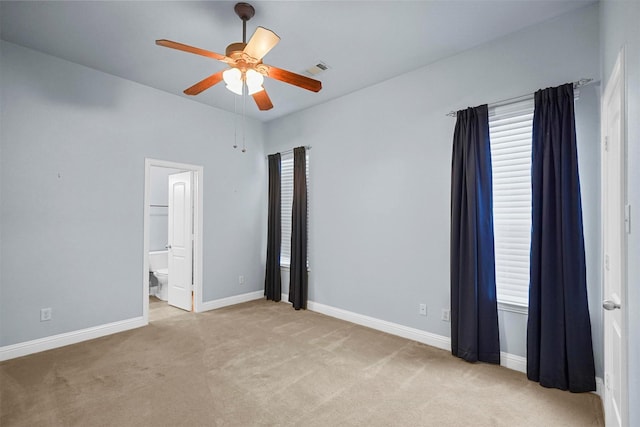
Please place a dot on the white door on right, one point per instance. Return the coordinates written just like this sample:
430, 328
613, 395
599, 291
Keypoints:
180, 240
614, 248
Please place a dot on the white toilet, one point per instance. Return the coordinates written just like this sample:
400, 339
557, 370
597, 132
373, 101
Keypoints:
158, 265
162, 275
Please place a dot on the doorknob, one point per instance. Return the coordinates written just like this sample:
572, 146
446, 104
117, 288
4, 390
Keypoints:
167, 246
610, 305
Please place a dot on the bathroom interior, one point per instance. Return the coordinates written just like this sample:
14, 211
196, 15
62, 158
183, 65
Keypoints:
158, 237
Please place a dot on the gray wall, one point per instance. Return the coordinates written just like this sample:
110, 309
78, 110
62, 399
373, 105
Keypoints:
74, 142
619, 27
380, 173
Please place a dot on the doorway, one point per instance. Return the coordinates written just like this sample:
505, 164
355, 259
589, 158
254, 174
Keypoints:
187, 213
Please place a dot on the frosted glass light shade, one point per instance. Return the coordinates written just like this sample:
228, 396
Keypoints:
254, 81
255, 89
233, 78
235, 88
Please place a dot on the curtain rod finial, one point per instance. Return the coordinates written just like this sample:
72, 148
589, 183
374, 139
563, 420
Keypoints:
581, 82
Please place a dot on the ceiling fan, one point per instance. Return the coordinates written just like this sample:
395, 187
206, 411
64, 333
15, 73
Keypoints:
245, 63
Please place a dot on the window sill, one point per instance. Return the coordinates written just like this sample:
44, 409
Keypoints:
287, 267
513, 308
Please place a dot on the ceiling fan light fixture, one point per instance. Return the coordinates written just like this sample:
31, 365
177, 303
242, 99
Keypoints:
245, 62
254, 90
235, 88
232, 77
254, 81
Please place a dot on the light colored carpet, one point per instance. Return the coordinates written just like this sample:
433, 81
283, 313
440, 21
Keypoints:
263, 363
161, 310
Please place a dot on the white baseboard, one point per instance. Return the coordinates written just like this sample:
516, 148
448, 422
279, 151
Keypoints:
507, 360
519, 363
236, 299
428, 338
511, 361
599, 387
47, 343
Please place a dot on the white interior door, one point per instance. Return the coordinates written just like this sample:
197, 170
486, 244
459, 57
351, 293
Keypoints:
180, 240
613, 198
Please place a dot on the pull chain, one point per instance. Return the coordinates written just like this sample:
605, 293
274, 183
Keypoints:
235, 122
244, 127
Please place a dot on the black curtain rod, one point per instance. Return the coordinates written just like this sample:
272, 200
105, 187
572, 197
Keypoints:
576, 85
308, 147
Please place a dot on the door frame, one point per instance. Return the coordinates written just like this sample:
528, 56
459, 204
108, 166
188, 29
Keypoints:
197, 183
617, 77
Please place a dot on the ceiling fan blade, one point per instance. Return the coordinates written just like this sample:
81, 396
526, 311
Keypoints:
191, 49
261, 42
205, 84
262, 100
293, 78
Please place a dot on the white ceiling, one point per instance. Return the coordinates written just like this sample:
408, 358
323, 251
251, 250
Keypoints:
364, 42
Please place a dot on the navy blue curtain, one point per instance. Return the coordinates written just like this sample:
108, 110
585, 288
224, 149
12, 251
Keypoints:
272, 279
559, 348
299, 279
474, 308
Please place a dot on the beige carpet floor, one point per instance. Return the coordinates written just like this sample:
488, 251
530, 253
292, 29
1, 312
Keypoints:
263, 363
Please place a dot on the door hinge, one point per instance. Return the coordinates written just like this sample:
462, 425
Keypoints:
606, 143
606, 262
627, 218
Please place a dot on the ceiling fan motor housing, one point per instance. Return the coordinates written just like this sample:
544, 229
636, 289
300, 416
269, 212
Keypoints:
235, 49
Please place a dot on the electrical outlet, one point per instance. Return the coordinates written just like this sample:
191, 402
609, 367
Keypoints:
423, 309
45, 314
241, 279
446, 315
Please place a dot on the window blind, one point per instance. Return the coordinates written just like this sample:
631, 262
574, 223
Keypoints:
510, 128
286, 205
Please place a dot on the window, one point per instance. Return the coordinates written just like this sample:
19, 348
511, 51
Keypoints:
286, 205
510, 128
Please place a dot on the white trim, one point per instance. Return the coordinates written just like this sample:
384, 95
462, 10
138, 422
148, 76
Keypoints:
599, 388
519, 363
513, 308
198, 217
512, 361
424, 337
67, 338
232, 300
198, 179
507, 360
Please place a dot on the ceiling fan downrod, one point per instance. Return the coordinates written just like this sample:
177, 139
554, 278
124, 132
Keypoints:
245, 11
